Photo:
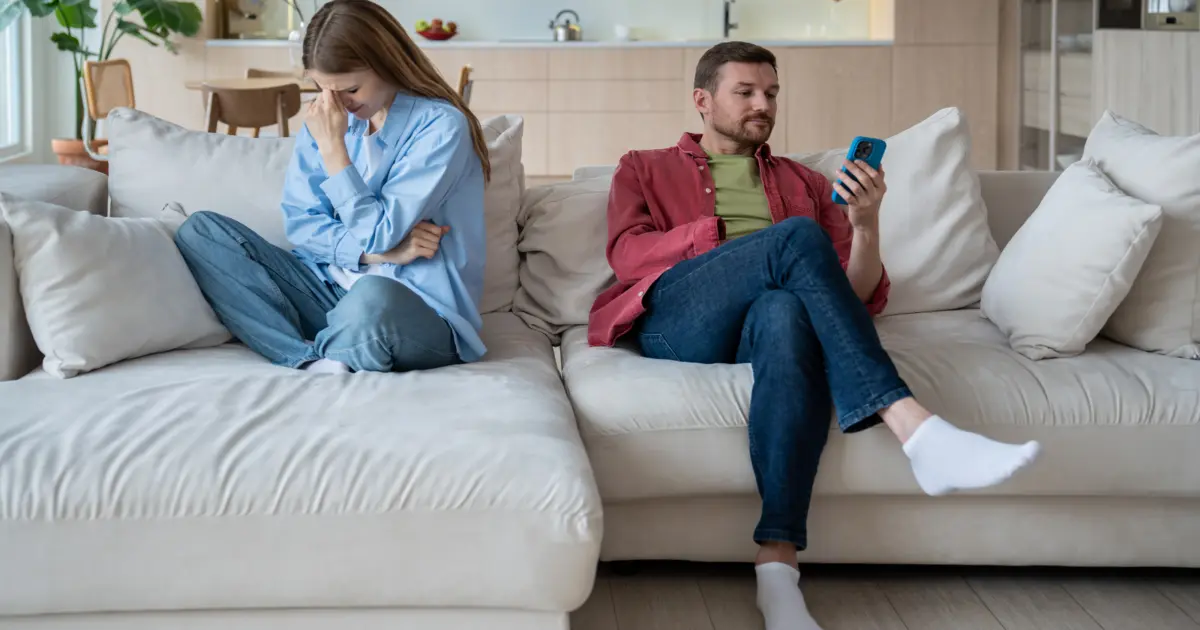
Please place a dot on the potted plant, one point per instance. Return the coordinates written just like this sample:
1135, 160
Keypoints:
159, 21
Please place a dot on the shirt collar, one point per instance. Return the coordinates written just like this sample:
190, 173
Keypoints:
397, 118
690, 143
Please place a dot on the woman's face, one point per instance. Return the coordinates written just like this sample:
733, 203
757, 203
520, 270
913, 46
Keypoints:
361, 92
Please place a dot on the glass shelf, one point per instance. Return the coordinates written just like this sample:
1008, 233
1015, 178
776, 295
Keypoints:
1056, 81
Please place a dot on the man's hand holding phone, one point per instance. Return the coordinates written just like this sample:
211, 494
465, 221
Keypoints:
422, 241
863, 188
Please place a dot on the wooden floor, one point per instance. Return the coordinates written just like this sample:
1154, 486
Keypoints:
681, 596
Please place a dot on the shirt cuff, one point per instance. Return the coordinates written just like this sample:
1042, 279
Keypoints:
345, 187
347, 254
879, 299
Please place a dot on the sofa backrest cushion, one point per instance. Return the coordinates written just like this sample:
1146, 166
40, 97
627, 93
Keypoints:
563, 263
67, 186
154, 163
1162, 311
934, 235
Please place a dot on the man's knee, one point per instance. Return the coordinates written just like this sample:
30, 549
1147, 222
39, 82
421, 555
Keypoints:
778, 312
801, 229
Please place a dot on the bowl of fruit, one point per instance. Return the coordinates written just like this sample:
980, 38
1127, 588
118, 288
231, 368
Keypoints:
436, 30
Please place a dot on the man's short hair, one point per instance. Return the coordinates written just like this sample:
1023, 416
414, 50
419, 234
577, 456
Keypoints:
708, 70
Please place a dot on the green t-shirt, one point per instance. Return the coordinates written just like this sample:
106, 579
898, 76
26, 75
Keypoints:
741, 200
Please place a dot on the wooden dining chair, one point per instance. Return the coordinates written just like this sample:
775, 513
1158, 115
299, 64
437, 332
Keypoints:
252, 107
107, 85
262, 73
465, 83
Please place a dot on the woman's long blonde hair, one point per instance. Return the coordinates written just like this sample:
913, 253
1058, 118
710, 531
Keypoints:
351, 35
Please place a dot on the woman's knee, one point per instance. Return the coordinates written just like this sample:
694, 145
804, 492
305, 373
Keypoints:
376, 301
200, 227
381, 325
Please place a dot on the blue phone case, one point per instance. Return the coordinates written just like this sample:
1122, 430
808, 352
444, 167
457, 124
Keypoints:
875, 159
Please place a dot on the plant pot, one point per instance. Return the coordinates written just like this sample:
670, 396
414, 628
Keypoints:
71, 152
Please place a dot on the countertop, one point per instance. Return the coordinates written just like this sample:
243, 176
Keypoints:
537, 43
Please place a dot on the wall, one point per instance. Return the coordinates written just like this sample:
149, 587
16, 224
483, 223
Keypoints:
53, 98
490, 20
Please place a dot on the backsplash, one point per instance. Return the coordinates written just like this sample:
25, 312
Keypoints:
492, 20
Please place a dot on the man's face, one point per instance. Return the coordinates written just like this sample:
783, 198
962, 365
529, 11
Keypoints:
743, 107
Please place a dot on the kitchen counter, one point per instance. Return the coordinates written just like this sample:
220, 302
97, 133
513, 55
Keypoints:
538, 43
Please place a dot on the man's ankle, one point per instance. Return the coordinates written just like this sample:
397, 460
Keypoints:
776, 551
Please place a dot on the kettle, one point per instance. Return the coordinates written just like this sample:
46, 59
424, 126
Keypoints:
566, 31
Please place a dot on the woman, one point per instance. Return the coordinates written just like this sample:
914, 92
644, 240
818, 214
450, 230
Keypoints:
383, 202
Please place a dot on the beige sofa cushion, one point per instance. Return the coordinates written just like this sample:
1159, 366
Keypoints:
1114, 421
1068, 268
245, 485
1162, 311
98, 290
934, 235
68, 186
153, 163
563, 264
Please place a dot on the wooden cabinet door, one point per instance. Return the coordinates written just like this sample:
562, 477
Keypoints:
835, 94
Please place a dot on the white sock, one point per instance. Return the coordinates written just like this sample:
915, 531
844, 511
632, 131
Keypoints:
945, 458
327, 366
780, 599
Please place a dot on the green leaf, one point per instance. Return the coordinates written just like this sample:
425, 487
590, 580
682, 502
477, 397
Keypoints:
136, 30
71, 3
40, 8
77, 16
171, 15
10, 10
122, 8
66, 42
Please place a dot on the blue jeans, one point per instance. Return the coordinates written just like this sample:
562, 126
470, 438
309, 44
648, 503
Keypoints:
779, 300
275, 305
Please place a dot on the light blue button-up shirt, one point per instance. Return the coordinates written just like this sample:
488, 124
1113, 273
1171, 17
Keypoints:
429, 171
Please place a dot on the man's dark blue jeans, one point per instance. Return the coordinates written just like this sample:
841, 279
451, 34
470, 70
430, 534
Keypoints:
779, 300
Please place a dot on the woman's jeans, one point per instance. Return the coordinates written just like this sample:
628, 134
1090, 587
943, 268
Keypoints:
276, 306
779, 300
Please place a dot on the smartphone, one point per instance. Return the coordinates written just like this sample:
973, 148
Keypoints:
869, 150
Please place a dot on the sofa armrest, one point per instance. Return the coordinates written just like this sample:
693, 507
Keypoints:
67, 186
18, 353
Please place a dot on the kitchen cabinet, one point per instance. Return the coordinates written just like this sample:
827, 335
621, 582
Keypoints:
972, 22
928, 78
856, 102
1152, 77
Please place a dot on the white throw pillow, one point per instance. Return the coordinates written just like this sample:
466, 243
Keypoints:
934, 235
1070, 265
563, 261
153, 162
1162, 311
98, 290
502, 204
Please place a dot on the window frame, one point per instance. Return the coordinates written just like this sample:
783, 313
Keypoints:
16, 54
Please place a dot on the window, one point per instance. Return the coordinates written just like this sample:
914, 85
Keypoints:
12, 90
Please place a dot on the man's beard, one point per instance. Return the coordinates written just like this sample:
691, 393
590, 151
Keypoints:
745, 134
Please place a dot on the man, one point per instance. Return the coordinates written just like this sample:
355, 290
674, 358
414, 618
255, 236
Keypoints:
725, 253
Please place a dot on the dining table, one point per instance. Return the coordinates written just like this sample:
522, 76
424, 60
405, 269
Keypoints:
306, 84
